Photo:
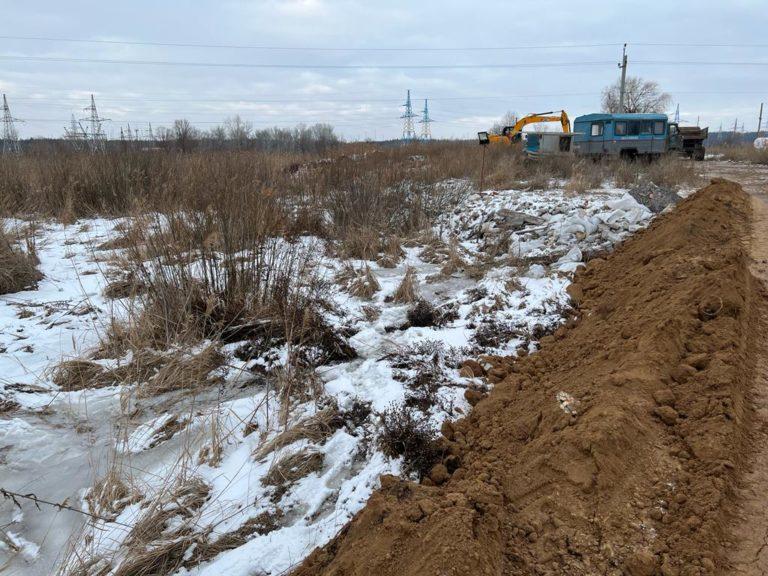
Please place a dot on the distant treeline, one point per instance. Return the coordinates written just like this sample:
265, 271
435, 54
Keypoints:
731, 138
182, 136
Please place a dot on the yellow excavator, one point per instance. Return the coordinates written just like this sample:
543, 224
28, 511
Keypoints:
512, 133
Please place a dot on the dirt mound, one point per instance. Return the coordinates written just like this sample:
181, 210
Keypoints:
613, 450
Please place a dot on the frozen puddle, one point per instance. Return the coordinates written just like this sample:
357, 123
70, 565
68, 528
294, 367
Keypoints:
222, 467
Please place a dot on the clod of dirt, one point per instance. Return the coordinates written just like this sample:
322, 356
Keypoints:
664, 397
666, 414
543, 492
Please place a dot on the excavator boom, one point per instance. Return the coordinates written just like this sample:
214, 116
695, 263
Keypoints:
511, 133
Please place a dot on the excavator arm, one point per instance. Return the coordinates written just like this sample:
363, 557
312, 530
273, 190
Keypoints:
511, 133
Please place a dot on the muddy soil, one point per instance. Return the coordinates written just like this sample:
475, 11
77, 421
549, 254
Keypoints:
623, 446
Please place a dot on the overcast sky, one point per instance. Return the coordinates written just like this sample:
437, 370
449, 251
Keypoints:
372, 43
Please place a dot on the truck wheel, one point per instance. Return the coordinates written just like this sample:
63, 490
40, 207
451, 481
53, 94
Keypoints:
699, 155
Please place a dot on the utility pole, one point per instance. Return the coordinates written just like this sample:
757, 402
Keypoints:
697, 121
677, 114
409, 133
10, 135
426, 131
760, 120
623, 67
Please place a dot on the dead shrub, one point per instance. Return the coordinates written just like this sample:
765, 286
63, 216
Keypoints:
495, 333
410, 436
422, 314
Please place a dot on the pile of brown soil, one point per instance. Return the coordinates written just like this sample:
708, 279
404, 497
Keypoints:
613, 450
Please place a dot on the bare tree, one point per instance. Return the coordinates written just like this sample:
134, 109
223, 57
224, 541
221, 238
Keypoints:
238, 131
185, 134
639, 96
509, 119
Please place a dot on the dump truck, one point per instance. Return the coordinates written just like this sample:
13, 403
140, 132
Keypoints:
688, 140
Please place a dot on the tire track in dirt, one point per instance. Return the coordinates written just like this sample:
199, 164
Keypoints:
618, 447
750, 522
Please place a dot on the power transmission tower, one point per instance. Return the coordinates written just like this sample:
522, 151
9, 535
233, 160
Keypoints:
677, 114
760, 121
95, 135
623, 67
75, 134
409, 132
10, 135
426, 131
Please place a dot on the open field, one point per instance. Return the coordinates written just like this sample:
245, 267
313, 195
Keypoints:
219, 359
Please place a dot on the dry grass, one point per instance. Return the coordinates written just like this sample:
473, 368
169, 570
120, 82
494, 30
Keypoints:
183, 371
361, 283
72, 375
110, 495
17, 267
742, 153
159, 540
294, 467
407, 291
316, 429
264, 523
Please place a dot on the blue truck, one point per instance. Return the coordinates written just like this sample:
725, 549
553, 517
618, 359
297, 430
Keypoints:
635, 136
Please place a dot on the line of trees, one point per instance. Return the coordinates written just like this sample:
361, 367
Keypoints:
239, 134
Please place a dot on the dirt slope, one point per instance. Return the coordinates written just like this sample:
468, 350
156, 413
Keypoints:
639, 478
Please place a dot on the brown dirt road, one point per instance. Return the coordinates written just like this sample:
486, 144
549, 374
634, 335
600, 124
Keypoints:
634, 442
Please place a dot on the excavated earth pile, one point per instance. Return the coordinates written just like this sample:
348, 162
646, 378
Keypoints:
617, 448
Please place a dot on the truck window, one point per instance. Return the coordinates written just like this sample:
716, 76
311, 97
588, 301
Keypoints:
638, 127
658, 127
597, 129
621, 128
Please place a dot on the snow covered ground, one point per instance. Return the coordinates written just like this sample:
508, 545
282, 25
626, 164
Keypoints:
230, 486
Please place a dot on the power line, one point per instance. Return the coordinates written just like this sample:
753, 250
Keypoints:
217, 46
305, 66
564, 45
489, 66
237, 100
